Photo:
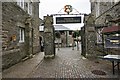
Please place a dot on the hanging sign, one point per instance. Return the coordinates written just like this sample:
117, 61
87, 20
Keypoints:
65, 20
67, 9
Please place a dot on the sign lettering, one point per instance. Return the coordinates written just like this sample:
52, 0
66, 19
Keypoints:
65, 20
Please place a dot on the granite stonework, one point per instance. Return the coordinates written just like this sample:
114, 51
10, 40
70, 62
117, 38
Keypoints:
14, 18
105, 15
49, 37
107, 12
88, 36
35, 25
9, 28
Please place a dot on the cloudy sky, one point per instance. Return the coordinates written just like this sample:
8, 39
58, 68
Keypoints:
56, 7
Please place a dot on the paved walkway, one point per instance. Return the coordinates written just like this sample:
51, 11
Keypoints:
68, 63
22, 69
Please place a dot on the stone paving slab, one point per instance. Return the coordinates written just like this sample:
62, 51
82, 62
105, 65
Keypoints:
68, 63
22, 69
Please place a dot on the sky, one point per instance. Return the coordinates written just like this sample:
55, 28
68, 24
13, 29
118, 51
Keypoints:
56, 7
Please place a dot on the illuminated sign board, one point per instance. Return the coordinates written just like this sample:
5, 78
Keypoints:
66, 20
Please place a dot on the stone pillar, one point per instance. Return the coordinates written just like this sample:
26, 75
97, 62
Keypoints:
67, 34
90, 37
83, 45
28, 38
49, 37
90, 41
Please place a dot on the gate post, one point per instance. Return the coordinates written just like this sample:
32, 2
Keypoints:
89, 36
83, 45
49, 37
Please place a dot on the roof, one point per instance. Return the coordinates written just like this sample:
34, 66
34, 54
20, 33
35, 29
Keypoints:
57, 28
111, 29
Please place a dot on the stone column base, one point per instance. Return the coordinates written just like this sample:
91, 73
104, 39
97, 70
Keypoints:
91, 56
49, 56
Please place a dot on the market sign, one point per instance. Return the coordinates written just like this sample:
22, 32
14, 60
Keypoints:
112, 42
66, 20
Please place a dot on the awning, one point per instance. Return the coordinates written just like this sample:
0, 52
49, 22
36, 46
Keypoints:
111, 29
57, 28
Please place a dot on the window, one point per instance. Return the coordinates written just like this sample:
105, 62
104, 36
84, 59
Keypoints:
22, 35
30, 8
20, 3
97, 9
116, 1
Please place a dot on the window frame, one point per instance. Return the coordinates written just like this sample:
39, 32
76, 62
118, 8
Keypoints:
21, 3
21, 34
97, 10
30, 8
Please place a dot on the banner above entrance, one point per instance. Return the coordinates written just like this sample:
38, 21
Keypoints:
66, 20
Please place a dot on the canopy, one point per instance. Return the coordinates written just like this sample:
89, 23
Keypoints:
111, 29
57, 28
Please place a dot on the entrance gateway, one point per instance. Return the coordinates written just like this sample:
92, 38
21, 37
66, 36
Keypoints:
49, 31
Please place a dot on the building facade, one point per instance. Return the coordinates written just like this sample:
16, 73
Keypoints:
20, 31
107, 17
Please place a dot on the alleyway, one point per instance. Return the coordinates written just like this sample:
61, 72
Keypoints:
68, 63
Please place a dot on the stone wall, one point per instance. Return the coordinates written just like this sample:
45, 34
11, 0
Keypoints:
14, 17
13, 51
35, 25
88, 37
106, 8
